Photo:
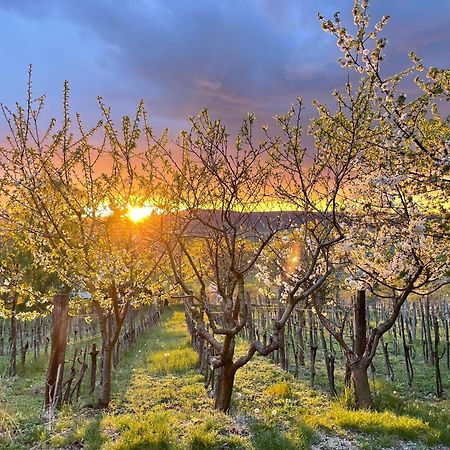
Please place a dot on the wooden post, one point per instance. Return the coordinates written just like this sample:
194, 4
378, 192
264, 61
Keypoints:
360, 325
301, 338
427, 326
12, 368
68, 383
329, 362
77, 388
312, 348
94, 352
282, 357
447, 334
436, 359
2, 338
406, 350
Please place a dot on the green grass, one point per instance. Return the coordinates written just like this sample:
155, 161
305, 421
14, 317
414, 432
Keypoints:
178, 360
152, 430
165, 405
159, 402
282, 390
381, 423
292, 404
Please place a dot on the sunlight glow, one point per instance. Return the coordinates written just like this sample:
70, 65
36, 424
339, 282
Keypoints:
138, 213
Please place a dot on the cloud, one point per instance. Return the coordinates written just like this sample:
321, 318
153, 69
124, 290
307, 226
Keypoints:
180, 55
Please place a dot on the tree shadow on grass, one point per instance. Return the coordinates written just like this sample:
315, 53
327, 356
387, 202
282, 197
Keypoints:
92, 437
271, 436
434, 417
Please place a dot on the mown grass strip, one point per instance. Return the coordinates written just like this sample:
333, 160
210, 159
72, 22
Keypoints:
160, 403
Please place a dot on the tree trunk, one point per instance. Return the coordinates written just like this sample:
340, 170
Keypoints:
104, 395
361, 385
225, 388
359, 368
55, 371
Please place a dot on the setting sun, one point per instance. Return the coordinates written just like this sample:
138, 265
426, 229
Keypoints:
138, 213
214, 236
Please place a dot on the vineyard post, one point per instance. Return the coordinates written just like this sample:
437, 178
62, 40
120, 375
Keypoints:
13, 339
360, 325
94, 352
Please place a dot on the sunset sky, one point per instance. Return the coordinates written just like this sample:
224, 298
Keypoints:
181, 55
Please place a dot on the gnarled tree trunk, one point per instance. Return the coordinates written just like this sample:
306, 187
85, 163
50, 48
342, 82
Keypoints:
224, 389
359, 368
360, 355
104, 395
361, 385
53, 386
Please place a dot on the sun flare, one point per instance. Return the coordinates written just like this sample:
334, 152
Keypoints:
138, 213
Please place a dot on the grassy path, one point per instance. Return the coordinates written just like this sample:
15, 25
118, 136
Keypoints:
159, 402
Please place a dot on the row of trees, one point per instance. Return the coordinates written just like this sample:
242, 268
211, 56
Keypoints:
370, 202
367, 205
66, 192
